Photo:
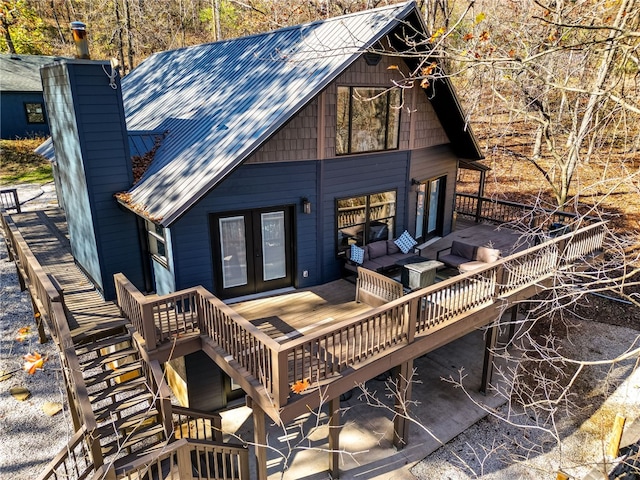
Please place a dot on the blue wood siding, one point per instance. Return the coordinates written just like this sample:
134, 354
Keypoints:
359, 175
249, 187
13, 116
264, 185
94, 163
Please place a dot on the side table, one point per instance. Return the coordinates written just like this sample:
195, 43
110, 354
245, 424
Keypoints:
420, 275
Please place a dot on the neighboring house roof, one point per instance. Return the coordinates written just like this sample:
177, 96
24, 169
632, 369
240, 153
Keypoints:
21, 73
220, 102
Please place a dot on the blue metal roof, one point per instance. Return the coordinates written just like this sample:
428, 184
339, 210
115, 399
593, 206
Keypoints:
220, 102
140, 142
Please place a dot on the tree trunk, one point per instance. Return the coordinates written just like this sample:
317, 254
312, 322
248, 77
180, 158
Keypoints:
119, 33
7, 37
127, 18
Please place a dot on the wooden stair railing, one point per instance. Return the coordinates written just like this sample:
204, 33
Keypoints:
185, 459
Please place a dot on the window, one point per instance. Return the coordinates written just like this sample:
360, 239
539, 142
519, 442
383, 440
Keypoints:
365, 219
35, 112
368, 119
157, 241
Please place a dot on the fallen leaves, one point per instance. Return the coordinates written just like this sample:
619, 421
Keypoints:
300, 386
20, 393
23, 333
33, 361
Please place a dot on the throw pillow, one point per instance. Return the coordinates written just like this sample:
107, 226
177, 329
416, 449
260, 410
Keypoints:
405, 242
487, 255
357, 254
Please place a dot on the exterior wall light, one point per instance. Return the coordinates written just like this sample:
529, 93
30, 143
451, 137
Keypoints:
306, 206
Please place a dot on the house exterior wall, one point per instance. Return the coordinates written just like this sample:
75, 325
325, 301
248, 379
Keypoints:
249, 187
299, 161
431, 163
316, 123
90, 138
13, 116
358, 175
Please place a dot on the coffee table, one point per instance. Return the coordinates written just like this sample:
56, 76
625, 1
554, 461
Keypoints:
421, 274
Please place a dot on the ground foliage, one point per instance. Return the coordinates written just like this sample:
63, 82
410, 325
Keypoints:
19, 163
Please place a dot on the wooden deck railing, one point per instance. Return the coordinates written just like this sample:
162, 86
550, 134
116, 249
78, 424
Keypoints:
82, 456
74, 461
501, 211
185, 458
9, 199
334, 348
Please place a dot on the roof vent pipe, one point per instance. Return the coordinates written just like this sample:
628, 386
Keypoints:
80, 39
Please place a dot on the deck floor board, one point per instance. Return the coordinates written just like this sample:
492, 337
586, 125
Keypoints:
46, 234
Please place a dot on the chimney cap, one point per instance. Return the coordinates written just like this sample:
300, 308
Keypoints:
78, 25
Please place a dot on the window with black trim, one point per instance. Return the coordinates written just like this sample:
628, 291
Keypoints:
157, 241
35, 112
365, 219
368, 119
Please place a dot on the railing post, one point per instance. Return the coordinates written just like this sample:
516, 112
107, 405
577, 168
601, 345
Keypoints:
500, 273
280, 380
184, 463
148, 326
478, 208
412, 318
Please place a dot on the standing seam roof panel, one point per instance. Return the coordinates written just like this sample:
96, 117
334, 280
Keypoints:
219, 102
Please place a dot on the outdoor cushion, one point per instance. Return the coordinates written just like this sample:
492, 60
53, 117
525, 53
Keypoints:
377, 249
392, 247
357, 254
487, 255
469, 266
405, 242
464, 250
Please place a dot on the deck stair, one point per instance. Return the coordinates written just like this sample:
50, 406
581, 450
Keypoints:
129, 422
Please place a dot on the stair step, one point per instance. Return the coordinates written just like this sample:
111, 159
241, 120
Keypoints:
130, 422
154, 430
103, 412
102, 360
128, 386
121, 372
103, 343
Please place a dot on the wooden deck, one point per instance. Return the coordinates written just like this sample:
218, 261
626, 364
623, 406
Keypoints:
290, 315
46, 234
319, 333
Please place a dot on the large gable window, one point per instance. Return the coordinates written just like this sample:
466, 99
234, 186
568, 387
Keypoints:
365, 219
368, 119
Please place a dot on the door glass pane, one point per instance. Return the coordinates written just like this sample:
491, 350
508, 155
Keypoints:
433, 206
420, 210
233, 251
274, 263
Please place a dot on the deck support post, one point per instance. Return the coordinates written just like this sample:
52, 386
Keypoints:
487, 366
334, 437
402, 374
260, 440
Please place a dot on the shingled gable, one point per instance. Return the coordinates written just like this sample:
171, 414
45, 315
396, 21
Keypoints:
220, 102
